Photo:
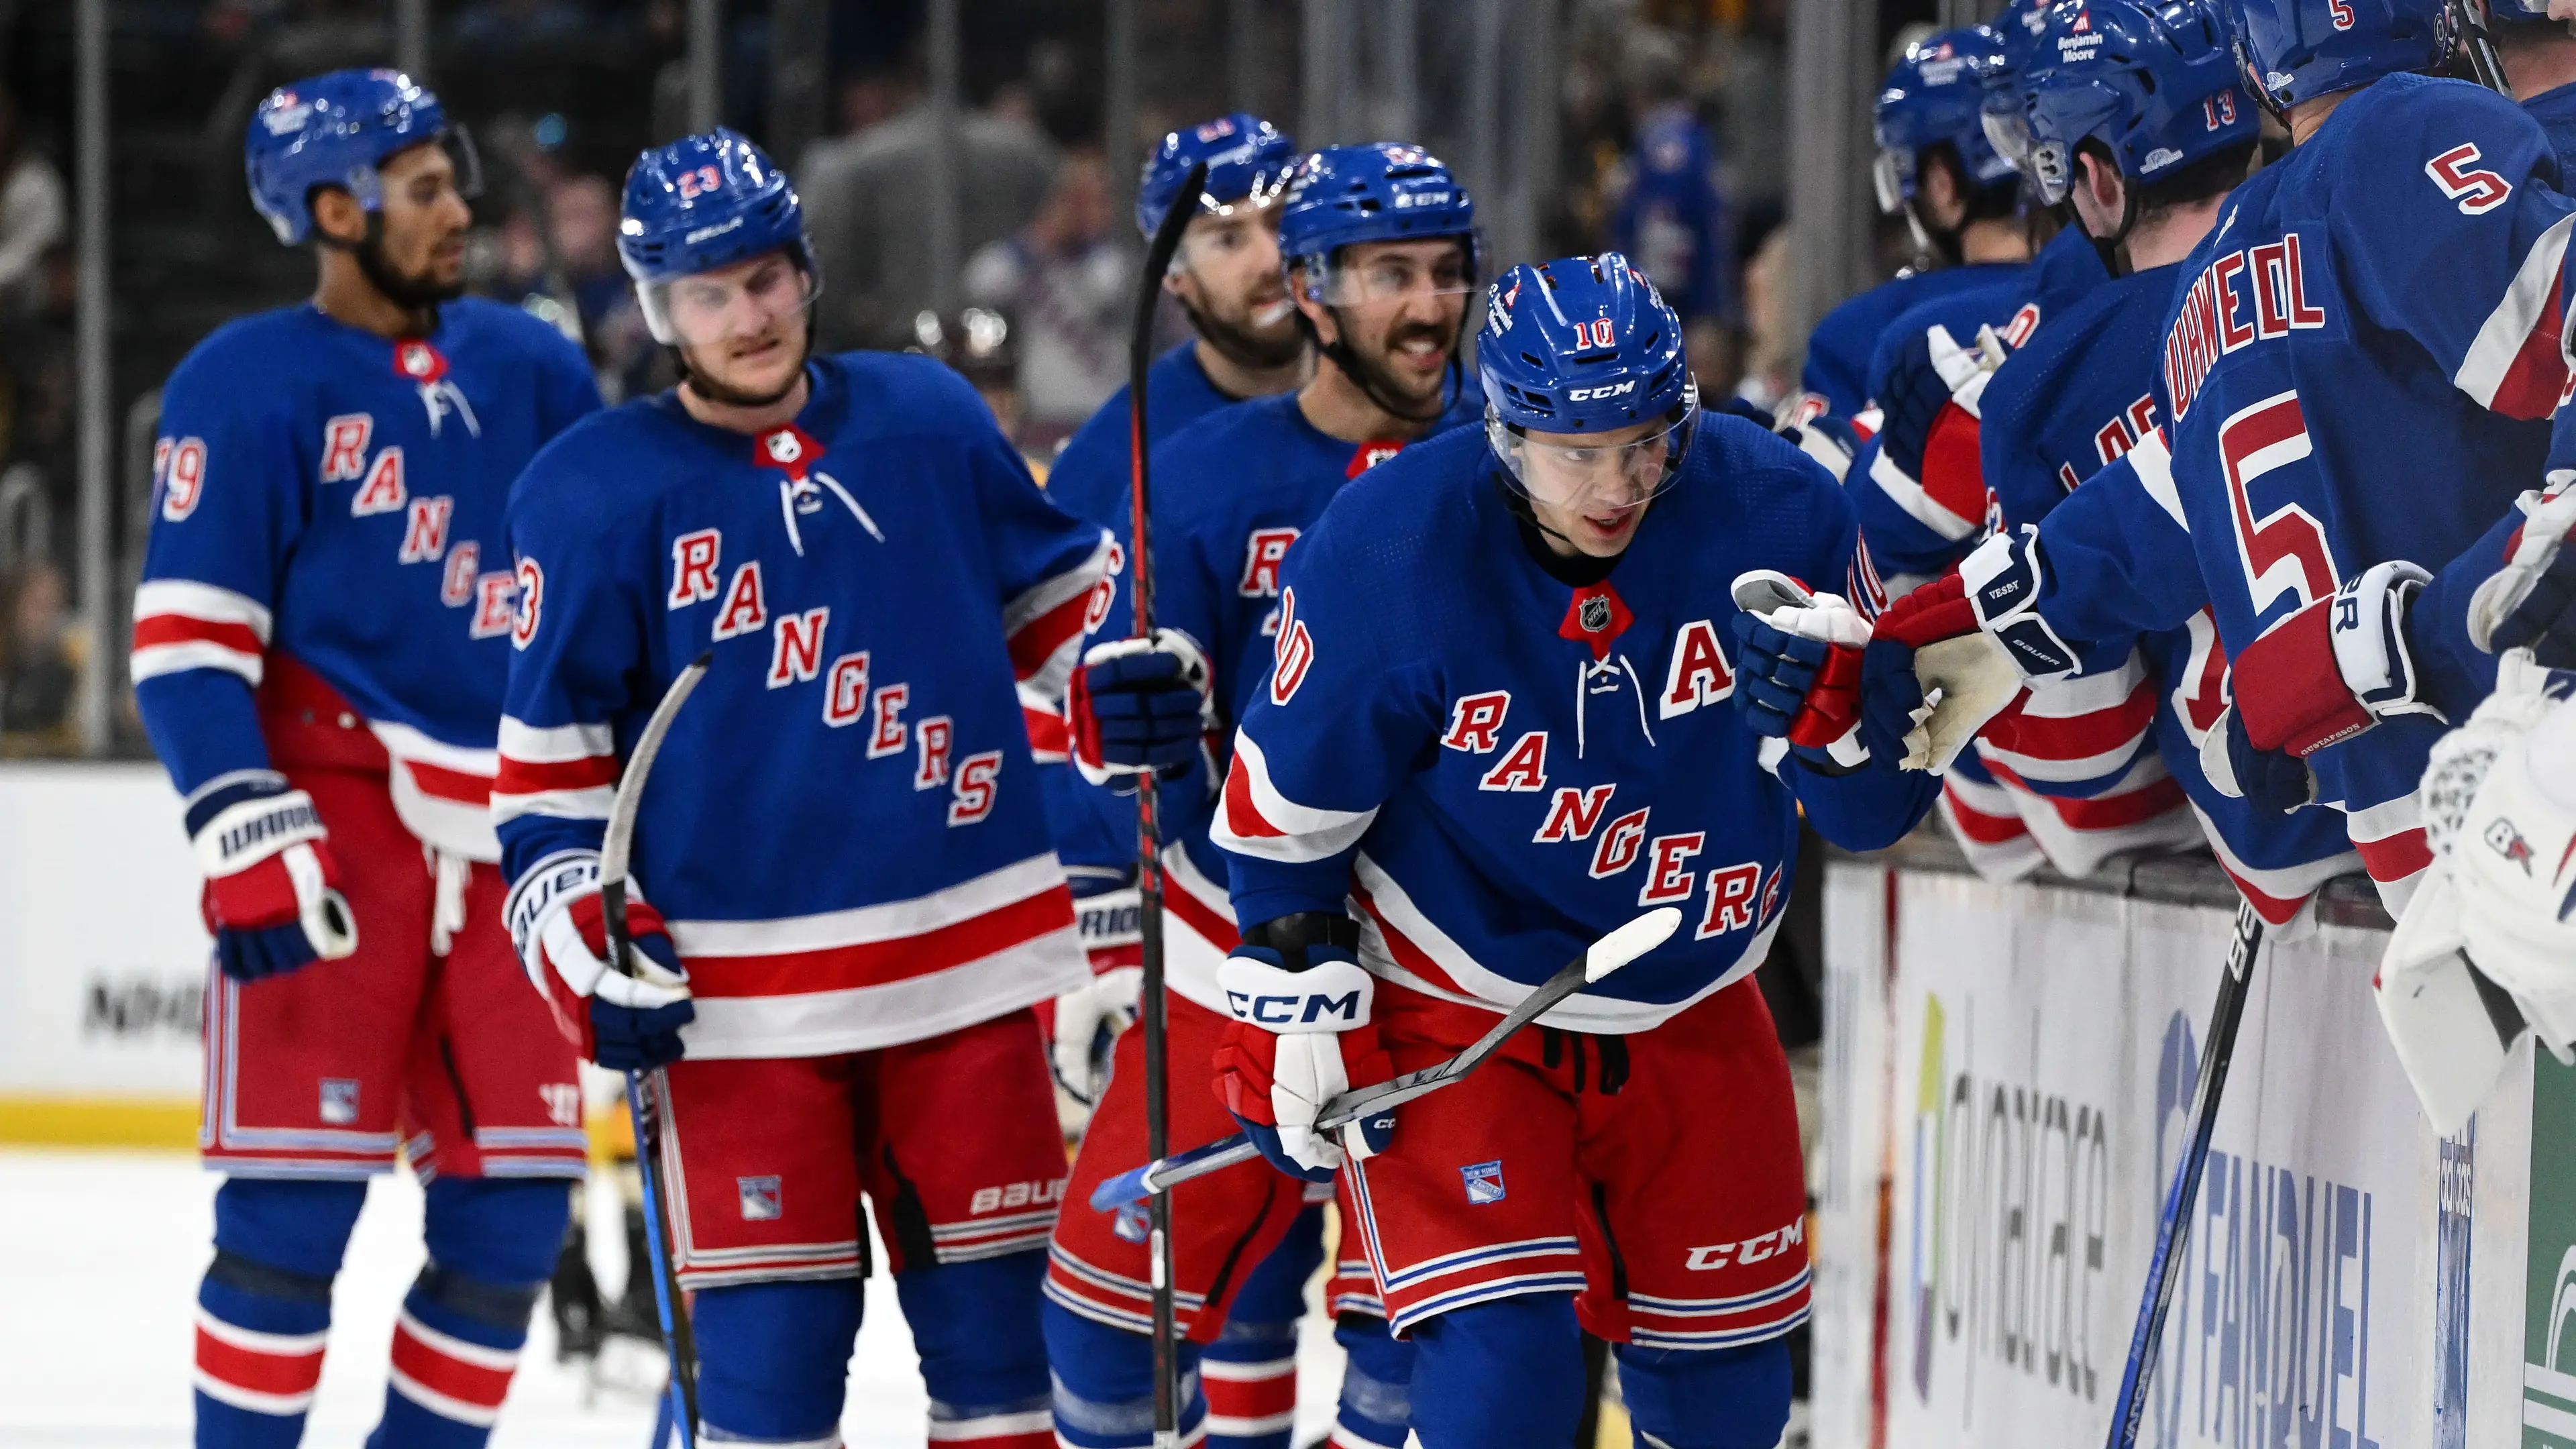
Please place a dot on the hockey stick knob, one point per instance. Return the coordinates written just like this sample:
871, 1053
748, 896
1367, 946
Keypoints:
1630, 941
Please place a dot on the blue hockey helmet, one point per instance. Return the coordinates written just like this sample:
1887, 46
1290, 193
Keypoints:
2152, 81
1344, 195
1936, 95
335, 130
2000, 110
701, 203
1248, 160
1584, 345
2298, 50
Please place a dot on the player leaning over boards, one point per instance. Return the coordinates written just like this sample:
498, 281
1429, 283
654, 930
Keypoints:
1497, 722
1382, 260
319, 654
849, 904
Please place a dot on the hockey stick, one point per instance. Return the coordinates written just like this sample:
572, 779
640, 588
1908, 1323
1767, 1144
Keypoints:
2173, 1230
680, 1397
1153, 1017
1604, 956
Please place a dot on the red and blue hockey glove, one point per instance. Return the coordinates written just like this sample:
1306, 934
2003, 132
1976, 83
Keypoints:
2530, 603
1089, 1018
1138, 705
1302, 1035
1929, 436
1799, 669
271, 901
2323, 675
627, 1021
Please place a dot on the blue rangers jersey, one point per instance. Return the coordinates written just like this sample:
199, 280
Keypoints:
841, 829
1835, 378
2076, 399
1090, 481
1244, 482
2314, 379
326, 580
1498, 767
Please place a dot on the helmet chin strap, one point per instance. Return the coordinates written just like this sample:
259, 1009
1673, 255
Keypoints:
2114, 260
1360, 372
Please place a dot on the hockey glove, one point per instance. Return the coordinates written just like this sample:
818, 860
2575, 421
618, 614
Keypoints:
1930, 439
271, 900
1089, 1018
2321, 676
1800, 669
626, 1020
1302, 1035
2488, 941
1138, 705
2530, 603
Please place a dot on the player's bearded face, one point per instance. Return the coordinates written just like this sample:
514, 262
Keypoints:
1591, 489
742, 328
1228, 276
1399, 305
416, 255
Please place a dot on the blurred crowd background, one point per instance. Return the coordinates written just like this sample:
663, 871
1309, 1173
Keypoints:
1003, 242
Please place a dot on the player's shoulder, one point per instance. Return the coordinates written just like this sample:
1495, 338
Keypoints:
903, 392
1415, 494
249, 356
1739, 461
2387, 132
1225, 462
486, 321
609, 466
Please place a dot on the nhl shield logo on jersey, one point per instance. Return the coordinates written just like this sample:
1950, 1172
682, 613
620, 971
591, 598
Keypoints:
1484, 1182
1595, 614
419, 361
760, 1198
788, 447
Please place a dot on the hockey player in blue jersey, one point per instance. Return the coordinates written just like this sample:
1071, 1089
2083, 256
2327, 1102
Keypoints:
1500, 718
2300, 426
1228, 279
848, 903
319, 655
2137, 124
1382, 259
1935, 167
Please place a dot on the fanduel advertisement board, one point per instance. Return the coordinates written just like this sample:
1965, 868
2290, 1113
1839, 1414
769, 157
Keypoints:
2045, 1046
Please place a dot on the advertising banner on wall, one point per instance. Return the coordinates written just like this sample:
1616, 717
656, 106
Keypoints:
2043, 1048
102, 955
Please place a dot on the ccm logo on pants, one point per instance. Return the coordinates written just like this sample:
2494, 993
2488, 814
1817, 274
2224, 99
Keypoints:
1752, 1250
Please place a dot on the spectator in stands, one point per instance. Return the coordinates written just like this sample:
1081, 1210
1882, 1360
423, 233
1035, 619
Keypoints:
1671, 217
499, 25
36, 663
866, 204
1068, 280
33, 217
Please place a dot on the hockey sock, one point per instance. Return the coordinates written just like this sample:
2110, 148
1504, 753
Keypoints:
264, 1308
1502, 1374
1377, 1384
1104, 1383
492, 1245
774, 1361
1250, 1372
1718, 1398
983, 1358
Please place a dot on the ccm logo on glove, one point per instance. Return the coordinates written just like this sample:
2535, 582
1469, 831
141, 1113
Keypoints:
1302, 1009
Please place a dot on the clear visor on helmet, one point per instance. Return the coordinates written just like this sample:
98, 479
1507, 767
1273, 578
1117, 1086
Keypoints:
1887, 178
2007, 130
423, 185
1229, 230
737, 302
1434, 266
1607, 472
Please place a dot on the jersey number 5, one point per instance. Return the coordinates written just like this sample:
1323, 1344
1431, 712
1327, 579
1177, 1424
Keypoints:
2475, 191
2283, 551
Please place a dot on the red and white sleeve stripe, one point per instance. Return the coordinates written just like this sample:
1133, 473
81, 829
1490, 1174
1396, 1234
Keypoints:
566, 771
2076, 729
1256, 819
180, 624
1044, 624
1050, 735
2391, 840
1933, 513
2517, 365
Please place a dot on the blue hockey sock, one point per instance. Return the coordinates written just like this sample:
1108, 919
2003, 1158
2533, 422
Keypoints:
1250, 1372
774, 1360
1502, 1374
492, 1244
264, 1308
1377, 1382
983, 1358
1104, 1382
1721, 1398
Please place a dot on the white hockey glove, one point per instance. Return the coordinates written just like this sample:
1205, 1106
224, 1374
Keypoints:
2526, 603
2488, 943
625, 1020
1089, 1018
271, 901
1299, 1039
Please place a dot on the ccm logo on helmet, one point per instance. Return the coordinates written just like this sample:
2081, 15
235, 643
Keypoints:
1589, 394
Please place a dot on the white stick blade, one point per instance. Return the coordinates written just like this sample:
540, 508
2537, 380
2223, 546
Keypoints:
1630, 941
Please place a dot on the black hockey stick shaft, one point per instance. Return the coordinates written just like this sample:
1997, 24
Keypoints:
2173, 1230
617, 850
1154, 1019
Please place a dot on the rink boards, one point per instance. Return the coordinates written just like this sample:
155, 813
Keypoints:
2008, 1074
